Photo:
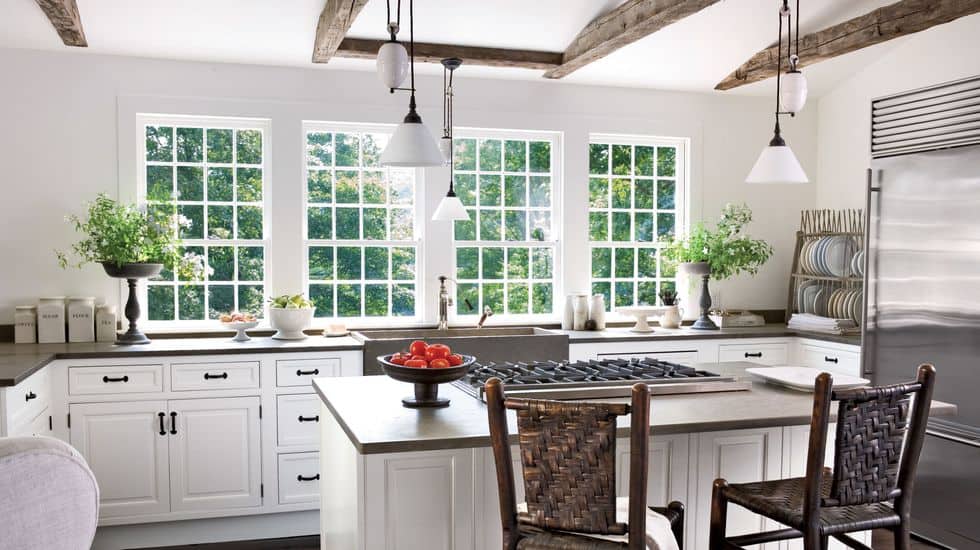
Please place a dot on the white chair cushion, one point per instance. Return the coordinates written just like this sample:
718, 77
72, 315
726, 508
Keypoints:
658, 535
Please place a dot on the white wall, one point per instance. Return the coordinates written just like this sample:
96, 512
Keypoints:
940, 54
67, 116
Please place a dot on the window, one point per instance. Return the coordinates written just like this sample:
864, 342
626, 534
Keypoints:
505, 255
635, 191
361, 239
216, 171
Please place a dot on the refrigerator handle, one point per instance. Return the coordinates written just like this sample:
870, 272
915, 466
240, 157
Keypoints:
867, 355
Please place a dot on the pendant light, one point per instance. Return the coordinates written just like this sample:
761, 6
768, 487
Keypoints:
412, 143
794, 88
450, 207
777, 163
392, 62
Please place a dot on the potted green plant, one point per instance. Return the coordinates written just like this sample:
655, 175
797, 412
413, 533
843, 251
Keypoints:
718, 254
290, 315
131, 243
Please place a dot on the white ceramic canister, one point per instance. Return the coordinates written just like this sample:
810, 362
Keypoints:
671, 317
51, 320
81, 319
568, 315
25, 324
105, 323
581, 308
597, 311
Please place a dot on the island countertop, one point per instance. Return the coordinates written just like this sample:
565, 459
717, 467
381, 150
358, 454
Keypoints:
370, 412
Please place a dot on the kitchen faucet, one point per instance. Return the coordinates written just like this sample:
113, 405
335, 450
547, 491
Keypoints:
487, 312
445, 300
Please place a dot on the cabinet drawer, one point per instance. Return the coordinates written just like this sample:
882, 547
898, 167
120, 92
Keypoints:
115, 380
831, 359
301, 372
298, 418
299, 478
679, 356
29, 398
214, 376
765, 354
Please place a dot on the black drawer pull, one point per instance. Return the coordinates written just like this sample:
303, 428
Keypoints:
309, 418
756, 354
311, 478
173, 423
163, 431
830, 359
209, 376
314, 372
106, 379
30, 395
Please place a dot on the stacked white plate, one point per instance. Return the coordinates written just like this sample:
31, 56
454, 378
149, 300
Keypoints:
817, 298
857, 264
845, 303
831, 256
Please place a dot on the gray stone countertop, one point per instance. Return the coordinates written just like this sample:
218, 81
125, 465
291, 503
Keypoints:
370, 412
623, 334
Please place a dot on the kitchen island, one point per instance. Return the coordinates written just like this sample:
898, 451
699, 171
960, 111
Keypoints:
393, 477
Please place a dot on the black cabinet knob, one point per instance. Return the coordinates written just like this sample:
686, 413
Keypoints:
311, 478
30, 395
173, 423
313, 372
309, 418
209, 376
756, 354
163, 431
106, 379
830, 359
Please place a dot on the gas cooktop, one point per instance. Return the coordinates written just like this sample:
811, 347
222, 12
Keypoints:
594, 378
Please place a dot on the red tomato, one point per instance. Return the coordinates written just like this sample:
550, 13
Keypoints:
455, 360
418, 347
439, 363
398, 359
416, 363
419, 358
437, 351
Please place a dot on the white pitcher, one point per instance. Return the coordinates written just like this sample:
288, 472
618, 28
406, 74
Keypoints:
672, 317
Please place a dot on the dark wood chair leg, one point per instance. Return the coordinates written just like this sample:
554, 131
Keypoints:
824, 542
678, 528
812, 539
719, 516
903, 536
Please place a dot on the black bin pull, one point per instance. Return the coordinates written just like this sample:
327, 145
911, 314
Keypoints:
756, 354
173, 423
106, 379
301, 477
830, 359
163, 431
313, 372
30, 395
309, 418
209, 376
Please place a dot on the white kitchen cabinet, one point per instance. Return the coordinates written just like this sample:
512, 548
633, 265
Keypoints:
128, 453
675, 351
115, 379
830, 357
297, 417
215, 376
762, 353
215, 458
299, 478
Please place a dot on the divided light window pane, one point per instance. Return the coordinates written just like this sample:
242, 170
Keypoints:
215, 171
361, 245
505, 253
634, 195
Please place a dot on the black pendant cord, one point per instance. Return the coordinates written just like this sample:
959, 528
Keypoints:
797, 31
411, 45
398, 19
779, 63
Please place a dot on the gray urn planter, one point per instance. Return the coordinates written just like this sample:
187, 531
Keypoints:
132, 273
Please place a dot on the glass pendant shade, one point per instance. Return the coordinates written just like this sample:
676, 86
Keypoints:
793, 90
777, 164
392, 64
446, 146
450, 208
412, 145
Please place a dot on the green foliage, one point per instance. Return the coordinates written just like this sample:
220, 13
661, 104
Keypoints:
124, 234
296, 301
727, 250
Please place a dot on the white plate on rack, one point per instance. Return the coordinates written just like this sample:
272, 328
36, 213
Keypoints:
805, 266
809, 293
837, 256
803, 378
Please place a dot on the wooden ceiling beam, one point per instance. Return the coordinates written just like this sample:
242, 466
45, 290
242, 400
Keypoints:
360, 48
886, 23
335, 20
622, 26
64, 16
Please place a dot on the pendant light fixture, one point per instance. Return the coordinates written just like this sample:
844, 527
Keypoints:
392, 62
450, 207
412, 143
794, 88
777, 163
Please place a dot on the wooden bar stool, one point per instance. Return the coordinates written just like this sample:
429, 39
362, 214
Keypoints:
568, 453
876, 454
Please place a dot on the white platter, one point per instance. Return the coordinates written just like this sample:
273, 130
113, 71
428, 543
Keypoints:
803, 378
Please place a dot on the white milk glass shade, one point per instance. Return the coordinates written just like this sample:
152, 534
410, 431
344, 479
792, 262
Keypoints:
450, 208
446, 146
412, 145
392, 64
777, 164
792, 91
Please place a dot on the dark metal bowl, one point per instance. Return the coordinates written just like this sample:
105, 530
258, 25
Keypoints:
132, 271
426, 381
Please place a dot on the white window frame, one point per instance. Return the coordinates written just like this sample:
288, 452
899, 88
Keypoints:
458, 314
680, 210
310, 126
238, 123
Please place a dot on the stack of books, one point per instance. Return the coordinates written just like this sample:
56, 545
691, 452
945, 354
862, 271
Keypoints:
816, 323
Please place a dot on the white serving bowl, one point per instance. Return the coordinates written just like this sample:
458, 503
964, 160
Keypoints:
290, 322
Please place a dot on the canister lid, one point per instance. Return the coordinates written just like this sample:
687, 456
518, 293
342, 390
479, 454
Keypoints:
25, 308
81, 299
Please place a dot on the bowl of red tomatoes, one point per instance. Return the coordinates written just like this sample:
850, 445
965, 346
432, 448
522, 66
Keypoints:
426, 366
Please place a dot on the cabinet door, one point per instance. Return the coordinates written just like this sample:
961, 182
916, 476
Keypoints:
214, 456
740, 456
124, 448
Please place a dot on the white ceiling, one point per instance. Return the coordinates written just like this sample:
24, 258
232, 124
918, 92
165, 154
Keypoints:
693, 54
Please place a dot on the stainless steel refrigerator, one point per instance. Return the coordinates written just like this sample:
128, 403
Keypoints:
923, 286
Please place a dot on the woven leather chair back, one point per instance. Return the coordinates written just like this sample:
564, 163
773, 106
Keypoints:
871, 428
568, 451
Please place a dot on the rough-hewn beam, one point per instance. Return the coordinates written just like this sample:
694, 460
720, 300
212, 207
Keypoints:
66, 20
624, 25
360, 48
335, 20
883, 24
